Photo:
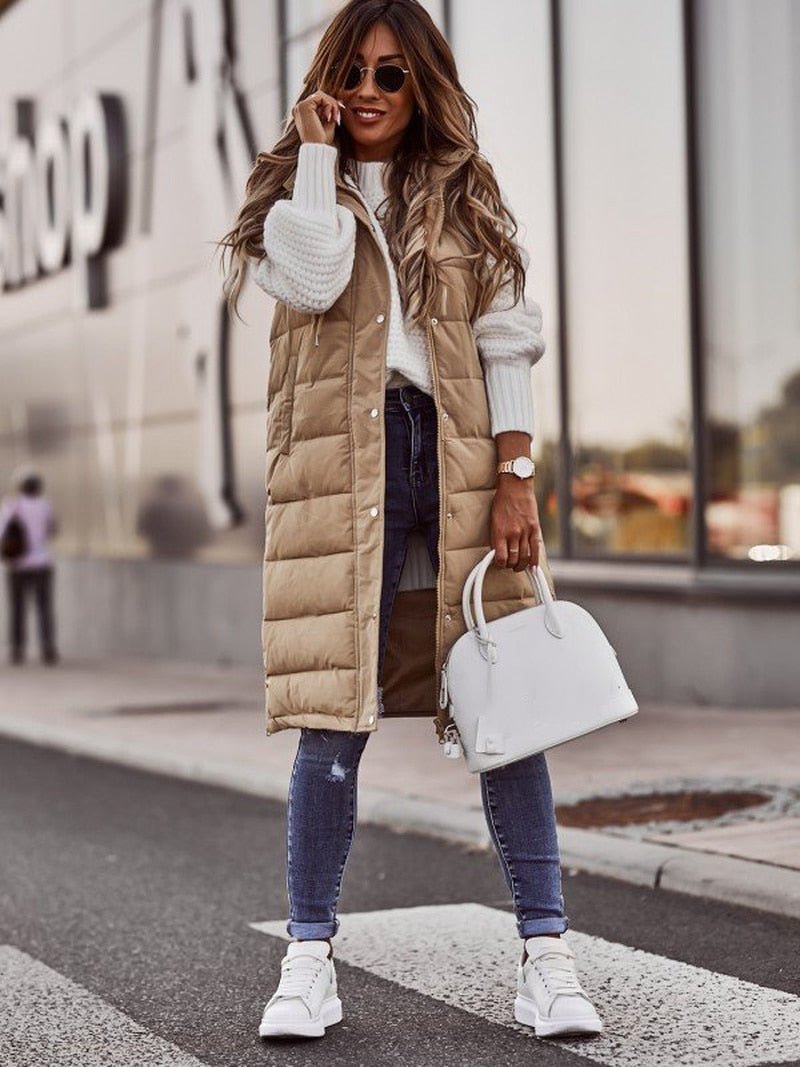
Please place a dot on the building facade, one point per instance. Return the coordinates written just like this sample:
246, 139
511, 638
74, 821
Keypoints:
652, 156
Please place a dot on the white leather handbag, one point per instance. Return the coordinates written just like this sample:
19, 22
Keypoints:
529, 680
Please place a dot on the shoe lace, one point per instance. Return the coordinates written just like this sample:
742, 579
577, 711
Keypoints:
559, 973
298, 975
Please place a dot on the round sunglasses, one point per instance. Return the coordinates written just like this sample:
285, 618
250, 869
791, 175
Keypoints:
388, 76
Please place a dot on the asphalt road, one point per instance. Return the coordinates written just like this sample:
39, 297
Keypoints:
126, 904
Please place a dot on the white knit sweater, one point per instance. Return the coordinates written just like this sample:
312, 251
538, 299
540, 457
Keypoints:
309, 242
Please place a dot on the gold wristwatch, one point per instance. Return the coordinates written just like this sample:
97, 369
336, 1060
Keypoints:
522, 466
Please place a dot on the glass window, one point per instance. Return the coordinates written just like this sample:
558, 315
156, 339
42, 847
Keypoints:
625, 268
748, 118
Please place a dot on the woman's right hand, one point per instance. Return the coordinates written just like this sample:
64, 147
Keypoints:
317, 117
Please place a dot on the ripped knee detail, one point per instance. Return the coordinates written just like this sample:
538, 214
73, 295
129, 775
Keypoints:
338, 772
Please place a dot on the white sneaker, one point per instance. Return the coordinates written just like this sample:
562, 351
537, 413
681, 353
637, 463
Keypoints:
549, 995
306, 999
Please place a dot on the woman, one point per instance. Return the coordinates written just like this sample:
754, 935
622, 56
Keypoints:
383, 236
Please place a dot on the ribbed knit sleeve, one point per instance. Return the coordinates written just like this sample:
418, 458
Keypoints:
510, 396
509, 340
309, 240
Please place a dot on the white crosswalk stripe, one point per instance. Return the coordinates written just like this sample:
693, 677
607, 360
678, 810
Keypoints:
49, 1019
656, 1011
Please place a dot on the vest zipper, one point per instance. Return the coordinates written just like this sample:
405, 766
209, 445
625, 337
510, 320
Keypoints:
442, 518
353, 186
355, 191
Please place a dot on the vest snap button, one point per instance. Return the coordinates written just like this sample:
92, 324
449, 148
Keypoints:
449, 514
374, 413
445, 415
434, 322
380, 318
448, 617
373, 511
371, 718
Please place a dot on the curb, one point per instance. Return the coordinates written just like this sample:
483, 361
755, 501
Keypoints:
752, 884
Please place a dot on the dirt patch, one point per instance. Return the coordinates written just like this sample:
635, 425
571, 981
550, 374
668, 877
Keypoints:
655, 807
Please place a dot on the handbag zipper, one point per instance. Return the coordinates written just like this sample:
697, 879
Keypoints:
443, 693
452, 742
451, 739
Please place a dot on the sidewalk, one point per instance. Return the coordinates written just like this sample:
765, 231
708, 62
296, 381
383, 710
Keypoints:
206, 723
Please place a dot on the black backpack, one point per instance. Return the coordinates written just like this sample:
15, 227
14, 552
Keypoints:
14, 542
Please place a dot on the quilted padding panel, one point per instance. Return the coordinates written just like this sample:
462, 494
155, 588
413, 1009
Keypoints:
309, 586
294, 645
315, 468
325, 524
320, 408
318, 699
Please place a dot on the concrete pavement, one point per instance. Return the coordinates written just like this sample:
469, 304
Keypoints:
206, 723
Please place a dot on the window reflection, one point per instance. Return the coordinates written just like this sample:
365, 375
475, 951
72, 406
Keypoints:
634, 499
627, 301
749, 154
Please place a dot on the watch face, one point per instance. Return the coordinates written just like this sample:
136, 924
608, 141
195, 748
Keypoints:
523, 466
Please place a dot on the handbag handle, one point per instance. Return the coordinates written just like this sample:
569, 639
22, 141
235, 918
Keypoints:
474, 586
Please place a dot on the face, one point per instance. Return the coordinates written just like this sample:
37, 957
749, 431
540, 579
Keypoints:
377, 139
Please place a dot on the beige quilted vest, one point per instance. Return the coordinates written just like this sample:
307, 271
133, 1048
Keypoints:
325, 493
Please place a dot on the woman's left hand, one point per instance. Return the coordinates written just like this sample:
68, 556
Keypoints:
515, 528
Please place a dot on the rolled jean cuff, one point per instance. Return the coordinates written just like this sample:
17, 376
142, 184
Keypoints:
312, 931
552, 924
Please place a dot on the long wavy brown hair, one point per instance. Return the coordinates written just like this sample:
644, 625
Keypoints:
438, 161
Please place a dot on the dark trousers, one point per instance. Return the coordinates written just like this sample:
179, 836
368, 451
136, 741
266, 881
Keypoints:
37, 581
411, 500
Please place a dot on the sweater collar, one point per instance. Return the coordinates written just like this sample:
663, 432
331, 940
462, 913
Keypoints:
369, 166
370, 177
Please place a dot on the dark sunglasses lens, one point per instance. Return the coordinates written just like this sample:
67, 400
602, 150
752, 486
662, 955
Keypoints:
353, 77
390, 77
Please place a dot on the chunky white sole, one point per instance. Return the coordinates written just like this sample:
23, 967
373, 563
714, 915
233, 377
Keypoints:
329, 1013
525, 1011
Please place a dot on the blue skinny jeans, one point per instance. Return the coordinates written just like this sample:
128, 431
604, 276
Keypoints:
517, 798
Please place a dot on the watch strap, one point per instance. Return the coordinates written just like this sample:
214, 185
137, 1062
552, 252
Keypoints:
507, 466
